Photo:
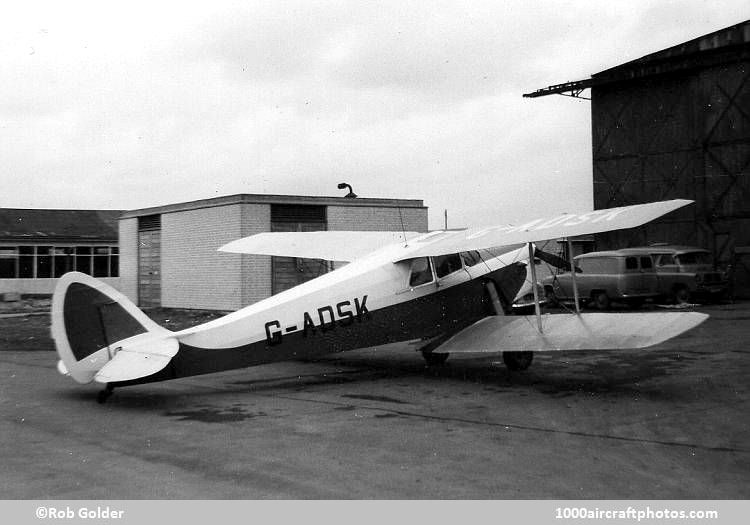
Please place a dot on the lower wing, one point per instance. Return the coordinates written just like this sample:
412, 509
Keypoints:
590, 331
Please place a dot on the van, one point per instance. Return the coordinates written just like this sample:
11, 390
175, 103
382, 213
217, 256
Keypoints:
624, 276
686, 273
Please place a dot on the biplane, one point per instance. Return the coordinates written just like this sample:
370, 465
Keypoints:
448, 291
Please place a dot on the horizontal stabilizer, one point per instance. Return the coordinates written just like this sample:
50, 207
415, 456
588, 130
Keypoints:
327, 245
590, 331
138, 358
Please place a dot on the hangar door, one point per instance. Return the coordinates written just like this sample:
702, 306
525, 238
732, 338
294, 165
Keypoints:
288, 272
149, 261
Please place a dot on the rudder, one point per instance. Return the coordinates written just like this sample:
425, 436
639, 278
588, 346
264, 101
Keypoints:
89, 318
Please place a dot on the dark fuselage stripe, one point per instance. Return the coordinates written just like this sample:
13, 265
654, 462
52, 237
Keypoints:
442, 312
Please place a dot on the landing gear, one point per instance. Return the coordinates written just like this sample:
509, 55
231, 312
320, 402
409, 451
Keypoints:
434, 358
103, 395
517, 361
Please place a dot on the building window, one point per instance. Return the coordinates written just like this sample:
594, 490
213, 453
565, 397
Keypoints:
63, 261
43, 262
114, 262
26, 262
8, 262
83, 259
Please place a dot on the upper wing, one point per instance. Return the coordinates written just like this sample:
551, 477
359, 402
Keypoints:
590, 331
563, 225
328, 245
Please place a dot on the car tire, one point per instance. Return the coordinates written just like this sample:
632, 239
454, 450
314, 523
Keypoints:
601, 301
681, 295
635, 304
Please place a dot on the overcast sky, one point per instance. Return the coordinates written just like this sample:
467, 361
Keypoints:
122, 105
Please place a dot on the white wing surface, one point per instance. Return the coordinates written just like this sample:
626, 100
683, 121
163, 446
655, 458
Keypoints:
590, 331
563, 225
327, 245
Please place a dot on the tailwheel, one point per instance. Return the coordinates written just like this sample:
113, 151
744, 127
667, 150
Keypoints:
434, 358
518, 360
103, 395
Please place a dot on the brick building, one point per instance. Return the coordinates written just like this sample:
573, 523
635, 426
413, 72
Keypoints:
169, 257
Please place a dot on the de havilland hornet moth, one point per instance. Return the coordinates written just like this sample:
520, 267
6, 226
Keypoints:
447, 290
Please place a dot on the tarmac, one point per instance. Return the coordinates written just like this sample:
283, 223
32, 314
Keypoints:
669, 422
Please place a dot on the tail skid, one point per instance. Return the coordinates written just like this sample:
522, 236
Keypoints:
101, 336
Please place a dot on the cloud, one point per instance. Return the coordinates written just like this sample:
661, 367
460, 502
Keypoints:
147, 103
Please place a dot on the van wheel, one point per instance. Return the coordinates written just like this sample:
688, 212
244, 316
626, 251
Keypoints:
636, 303
518, 360
681, 295
601, 301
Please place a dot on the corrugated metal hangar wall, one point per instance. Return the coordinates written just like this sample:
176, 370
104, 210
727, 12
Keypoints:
168, 254
676, 124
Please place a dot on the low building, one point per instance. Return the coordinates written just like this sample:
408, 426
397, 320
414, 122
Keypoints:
169, 253
38, 246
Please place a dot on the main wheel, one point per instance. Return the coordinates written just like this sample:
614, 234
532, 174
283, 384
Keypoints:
434, 358
518, 360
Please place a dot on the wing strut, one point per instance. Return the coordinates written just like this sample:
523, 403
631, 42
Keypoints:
573, 276
537, 309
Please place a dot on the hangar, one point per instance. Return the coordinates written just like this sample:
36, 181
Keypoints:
169, 258
676, 124
37, 246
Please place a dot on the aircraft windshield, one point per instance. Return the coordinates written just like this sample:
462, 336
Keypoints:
447, 264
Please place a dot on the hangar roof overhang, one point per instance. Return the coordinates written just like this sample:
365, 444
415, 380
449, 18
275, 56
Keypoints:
728, 45
247, 198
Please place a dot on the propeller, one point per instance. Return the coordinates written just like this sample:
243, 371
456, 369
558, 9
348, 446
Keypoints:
554, 260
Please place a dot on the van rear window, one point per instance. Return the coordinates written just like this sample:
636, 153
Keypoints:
694, 258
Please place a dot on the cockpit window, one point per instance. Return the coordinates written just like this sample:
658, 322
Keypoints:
421, 271
471, 258
446, 264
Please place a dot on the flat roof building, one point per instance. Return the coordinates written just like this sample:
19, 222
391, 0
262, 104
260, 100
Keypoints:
38, 246
169, 257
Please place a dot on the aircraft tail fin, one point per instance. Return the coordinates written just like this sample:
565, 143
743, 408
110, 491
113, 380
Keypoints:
101, 335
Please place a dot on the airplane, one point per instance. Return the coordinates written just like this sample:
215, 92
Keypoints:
447, 290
